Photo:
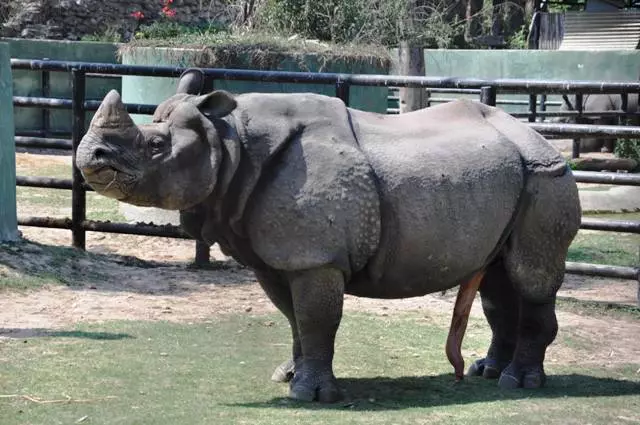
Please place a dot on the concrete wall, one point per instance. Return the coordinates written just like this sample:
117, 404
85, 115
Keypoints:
29, 83
8, 220
155, 90
533, 64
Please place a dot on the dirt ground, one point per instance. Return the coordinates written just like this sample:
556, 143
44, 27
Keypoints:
142, 278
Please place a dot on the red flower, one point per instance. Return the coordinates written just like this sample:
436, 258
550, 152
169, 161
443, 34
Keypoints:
168, 12
138, 15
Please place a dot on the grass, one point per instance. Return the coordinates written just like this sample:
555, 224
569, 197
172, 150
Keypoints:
260, 50
57, 202
393, 370
619, 249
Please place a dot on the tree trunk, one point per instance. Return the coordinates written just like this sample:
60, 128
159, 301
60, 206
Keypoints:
473, 27
411, 62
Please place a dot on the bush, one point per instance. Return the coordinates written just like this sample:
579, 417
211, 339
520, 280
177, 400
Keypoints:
385, 22
628, 148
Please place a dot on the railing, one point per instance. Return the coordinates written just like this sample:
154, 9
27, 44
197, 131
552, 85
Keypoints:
536, 108
486, 89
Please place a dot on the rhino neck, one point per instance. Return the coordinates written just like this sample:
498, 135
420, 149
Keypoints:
246, 152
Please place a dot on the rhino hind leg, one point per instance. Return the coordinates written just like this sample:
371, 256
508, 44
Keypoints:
277, 289
534, 262
501, 308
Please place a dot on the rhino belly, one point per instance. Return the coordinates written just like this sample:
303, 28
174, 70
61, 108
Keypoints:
443, 213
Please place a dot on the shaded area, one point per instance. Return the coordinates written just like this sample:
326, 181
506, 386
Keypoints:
19, 333
380, 393
31, 265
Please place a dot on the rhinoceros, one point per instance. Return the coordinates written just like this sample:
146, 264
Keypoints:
600, 103
321, 200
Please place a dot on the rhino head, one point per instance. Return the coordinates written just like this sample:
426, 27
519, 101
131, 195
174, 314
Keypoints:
171, 163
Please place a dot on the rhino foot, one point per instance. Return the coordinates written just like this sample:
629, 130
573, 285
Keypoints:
522, 377
284, 372
309, 385
487, 368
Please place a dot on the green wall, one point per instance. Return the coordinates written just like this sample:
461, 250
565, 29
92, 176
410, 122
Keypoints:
29, 83
533, 64
8, 220
155, 90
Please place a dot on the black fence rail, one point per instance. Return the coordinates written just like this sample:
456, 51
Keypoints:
487, 91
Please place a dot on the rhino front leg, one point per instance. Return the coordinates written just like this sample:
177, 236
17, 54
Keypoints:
277, 289
317, 302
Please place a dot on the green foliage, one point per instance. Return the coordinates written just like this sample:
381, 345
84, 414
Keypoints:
109, 35
168, 29
385, 22
519, 39
577, 5
628, 148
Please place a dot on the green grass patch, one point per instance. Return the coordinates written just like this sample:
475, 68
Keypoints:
600, 308
619, 249
392, 369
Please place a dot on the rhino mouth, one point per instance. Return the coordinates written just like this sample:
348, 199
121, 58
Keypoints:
110, 181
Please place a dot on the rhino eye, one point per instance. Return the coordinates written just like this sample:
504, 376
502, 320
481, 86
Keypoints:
156, 145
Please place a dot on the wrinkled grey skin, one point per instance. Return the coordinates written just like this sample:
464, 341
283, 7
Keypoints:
599, 103
322, 200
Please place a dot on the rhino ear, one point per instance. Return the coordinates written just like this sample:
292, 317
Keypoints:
216, 104
191, 81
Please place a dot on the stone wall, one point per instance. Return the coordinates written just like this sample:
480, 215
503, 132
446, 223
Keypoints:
73, 19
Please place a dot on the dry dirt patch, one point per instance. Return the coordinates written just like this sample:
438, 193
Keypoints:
133, 285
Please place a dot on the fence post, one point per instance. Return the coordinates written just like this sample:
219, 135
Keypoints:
488, 95
533, 104
78, 194
46, 78
8, 218
343, 90
543, 105
575, 148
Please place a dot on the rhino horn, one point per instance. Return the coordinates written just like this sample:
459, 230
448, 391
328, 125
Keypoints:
112, 113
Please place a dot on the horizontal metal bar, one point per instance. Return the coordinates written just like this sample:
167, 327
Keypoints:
503, 85
622, 179
105, 76
572, 114
42, 133
48, 222
47, 183
586, 269
580, 130
142, 229
43, 182
89, 105
624, 226
42, 143
40, 102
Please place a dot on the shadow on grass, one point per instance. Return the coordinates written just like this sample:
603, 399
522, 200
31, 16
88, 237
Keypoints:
379, 393
36, 265
19, 333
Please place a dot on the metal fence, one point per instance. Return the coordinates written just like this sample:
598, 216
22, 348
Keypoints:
537, 105
486, 89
